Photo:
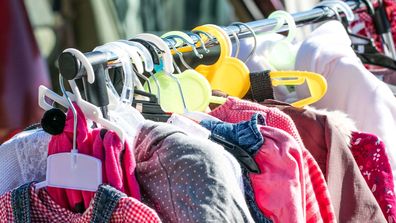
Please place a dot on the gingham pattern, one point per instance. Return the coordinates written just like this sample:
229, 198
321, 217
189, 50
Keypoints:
318, 207
44, 209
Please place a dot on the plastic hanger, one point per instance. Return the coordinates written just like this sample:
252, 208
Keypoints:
134, 55
91, 111
147, 58
128, 88
227, 74
281, 54
167, 63
316, 83
72, 170
336, 5
120, 111
196, 88
144, 54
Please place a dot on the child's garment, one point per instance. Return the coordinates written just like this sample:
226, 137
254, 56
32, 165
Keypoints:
23, 159
24, 205
278, 189
351, 88
118, 163
371, 157
327, 136
317, 198
187, 179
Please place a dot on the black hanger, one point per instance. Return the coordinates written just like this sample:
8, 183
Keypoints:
150, 109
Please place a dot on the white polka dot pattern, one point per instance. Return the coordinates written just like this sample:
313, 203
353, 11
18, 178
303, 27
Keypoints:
186, 179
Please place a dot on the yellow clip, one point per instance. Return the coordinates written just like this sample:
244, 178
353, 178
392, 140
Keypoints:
317, 84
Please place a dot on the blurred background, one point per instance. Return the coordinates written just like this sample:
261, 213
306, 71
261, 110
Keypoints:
34, 32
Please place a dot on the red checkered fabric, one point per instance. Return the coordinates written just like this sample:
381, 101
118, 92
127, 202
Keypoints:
44, 209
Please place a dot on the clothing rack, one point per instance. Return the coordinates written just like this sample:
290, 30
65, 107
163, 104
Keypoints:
71, 68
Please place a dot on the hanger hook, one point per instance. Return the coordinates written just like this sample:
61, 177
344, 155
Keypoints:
180, 55
338, 5
210, 37
284, 17
254, 36
237, 42
200, 41
200, 56
71, 106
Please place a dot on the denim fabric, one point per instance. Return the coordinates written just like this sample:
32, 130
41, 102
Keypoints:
106, 200
247, 135
20, 203
244, 134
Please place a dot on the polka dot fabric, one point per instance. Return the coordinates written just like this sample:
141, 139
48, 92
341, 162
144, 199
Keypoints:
185, 179
370, 155
44, 209
318, 207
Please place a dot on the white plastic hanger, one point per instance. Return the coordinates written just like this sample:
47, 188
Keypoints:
91, 111
338, 5
147, 60
166, 56
134, 55
121, 111
144, 53
72, 170
128, 88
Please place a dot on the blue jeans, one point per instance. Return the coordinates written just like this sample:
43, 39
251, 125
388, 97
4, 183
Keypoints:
246, 135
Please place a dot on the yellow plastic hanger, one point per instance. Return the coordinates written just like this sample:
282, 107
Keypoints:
227, 74
316, 83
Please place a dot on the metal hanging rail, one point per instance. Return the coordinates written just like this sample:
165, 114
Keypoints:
71, 68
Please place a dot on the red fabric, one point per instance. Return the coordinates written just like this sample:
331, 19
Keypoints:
370, 155
318, 206
117, 169
11, 133
44, 209
22, 69
363, 24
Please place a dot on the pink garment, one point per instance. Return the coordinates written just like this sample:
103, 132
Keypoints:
351, 88
370, 155
118, 169
279, 188
318, 207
